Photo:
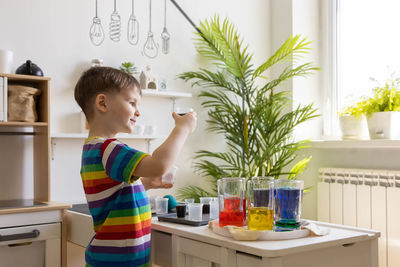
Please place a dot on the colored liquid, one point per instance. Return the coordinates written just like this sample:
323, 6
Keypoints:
261, 197
206, 208
287, 208
260, 218
231, 218
180, 211
232, 213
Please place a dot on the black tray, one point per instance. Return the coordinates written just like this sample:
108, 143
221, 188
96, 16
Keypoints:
171, 217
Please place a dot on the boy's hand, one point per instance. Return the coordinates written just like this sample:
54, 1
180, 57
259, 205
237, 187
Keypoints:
187, 121
154, 182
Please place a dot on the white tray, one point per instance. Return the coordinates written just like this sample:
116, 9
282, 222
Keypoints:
244, 234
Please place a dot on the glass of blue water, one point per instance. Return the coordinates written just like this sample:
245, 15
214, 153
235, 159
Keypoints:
288, 198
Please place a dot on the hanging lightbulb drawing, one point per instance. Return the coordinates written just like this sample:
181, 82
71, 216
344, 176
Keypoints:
115, 24
96, 32
165, 35
150, 48
133, 27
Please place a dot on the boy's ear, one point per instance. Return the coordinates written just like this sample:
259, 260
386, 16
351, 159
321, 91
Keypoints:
101, 102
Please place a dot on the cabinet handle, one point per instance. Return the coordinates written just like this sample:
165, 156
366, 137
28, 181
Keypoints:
33, 234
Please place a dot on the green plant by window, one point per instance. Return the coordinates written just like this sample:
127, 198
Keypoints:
257, 122
384, 98
128, 67
357, 110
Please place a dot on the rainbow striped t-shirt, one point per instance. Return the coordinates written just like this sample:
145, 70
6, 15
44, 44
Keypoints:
118, 204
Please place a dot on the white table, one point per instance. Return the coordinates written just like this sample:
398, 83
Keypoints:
180, 245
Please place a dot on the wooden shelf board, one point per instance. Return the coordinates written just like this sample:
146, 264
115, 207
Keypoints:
22, 124
49, 206
122, 136
168, 94
15, 77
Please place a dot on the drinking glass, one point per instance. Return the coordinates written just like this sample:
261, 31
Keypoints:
180, 210
161, 205
189, 200
288, 198
195, 211
260, 203
231, 197
214, 208
183, 110
206, 204
169, 176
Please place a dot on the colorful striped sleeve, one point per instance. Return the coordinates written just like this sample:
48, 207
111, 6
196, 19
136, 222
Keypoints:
120, 160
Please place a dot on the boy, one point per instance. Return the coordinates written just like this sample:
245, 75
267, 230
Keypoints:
110, 169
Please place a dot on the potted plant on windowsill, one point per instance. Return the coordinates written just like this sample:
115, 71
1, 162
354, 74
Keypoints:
382, 111
353, 123
257, 121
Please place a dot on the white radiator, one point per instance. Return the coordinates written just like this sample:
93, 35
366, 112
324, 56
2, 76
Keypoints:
367, 199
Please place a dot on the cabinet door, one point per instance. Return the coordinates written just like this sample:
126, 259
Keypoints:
161, 249
191, 253
75, 255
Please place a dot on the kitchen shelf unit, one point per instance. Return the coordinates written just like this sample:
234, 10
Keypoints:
40, 131
46, 218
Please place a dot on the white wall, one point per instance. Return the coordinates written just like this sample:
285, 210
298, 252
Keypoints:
54, 35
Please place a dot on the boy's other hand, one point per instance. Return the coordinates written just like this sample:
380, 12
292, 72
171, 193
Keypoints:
187, 121
154, 183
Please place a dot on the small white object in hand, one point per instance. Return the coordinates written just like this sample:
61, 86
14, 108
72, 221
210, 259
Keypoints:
169, 176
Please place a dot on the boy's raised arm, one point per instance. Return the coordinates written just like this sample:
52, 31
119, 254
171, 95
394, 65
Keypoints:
164, 156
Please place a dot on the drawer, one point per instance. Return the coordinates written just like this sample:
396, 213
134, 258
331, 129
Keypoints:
33, 246
199, 249
45, 232
38, 217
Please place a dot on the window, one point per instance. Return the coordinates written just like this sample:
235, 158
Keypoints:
364, 38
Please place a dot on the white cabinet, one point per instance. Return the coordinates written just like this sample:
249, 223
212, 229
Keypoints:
31, 239
199, 247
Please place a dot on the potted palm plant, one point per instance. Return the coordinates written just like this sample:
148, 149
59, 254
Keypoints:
257, 121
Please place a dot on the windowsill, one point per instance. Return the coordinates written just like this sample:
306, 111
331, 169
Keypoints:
358, 144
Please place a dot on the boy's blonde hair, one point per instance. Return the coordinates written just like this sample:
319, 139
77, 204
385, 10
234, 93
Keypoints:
99, 80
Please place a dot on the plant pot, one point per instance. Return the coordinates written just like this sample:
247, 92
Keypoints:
353, 128
384, 125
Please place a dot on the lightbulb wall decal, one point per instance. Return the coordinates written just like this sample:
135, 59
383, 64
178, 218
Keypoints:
133, 27
165, 35
115, 24
96, 32
150, 48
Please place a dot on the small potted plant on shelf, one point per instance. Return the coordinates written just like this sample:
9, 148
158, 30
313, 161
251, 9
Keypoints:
353, 123
382, 111
129, 67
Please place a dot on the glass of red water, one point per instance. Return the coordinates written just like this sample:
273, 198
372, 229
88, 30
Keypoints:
231, 199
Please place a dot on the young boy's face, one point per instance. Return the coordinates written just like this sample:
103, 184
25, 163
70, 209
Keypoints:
123, 109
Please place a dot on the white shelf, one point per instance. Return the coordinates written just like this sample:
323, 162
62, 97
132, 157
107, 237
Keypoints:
119, 136
356, 144
167, 94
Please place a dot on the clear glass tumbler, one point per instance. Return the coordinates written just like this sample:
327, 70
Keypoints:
260, 203
161, 205
195, 211
288, 198
231, 199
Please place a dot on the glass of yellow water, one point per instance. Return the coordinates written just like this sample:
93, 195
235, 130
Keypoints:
260, 203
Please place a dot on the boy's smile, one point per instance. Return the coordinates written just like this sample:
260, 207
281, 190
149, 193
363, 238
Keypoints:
123, 110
